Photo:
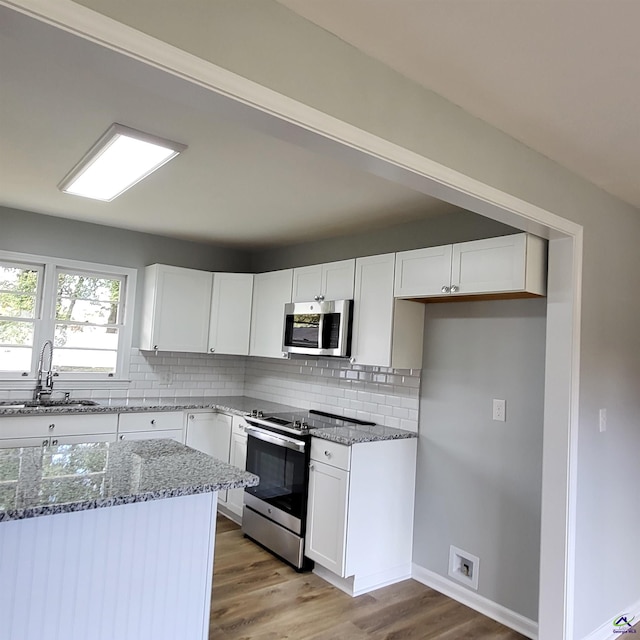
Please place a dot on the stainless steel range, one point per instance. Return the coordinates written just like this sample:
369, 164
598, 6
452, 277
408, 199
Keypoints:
278, 449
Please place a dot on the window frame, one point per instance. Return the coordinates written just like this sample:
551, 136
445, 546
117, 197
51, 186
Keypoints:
45, 321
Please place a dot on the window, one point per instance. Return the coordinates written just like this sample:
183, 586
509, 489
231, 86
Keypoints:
88, 322
20, 289
85, 309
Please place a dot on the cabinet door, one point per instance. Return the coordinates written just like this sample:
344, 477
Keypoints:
211, 434
373, 310
14, 443
271, 291
307, 283
489, 266
423, 272
230, 326
338, 280
327, 516
176, 309
238, 458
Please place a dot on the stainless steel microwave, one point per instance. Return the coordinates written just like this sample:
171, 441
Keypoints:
318, 328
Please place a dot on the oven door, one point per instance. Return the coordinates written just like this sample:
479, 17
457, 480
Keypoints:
282, 464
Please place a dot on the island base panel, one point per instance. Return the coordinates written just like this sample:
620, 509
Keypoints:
139, 571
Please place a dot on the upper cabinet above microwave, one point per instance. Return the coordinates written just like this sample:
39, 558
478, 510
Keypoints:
331, 281
514, 265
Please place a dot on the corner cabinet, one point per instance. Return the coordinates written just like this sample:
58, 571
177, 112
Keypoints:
513, 266
386, 332
271, 291
330, 281
359, 518
230, 318
176, 308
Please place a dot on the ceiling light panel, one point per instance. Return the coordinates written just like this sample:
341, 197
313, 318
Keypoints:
121, 158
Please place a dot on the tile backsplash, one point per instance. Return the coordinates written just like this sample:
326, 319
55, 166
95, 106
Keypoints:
386, 396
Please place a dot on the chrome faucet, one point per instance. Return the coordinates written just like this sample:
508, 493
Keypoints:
47, 390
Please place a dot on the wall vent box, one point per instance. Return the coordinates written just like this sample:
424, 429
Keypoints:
464, 567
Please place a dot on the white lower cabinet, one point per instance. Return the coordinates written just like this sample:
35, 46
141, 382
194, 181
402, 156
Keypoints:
160, 434
210, 433
52, 429
238, 458
360, 512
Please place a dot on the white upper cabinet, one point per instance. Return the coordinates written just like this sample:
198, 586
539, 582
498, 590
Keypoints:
510, 263
507, 264
386, 332
331, 281
271, 291
423, 272
175, 315
230, 325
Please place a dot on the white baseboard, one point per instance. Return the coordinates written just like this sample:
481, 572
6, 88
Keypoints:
230, 514
358, 585
493, 610
605, 630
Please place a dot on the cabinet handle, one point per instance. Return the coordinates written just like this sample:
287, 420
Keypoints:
320, 298
153, 421
352, 360
191, 416
455, 288
285, 354
45, 443
316, 298
445, 289
52, 426
121, 437
311, 467
328, 454
212, 350
54, 442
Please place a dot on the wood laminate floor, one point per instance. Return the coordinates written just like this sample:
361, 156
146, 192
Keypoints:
257, 597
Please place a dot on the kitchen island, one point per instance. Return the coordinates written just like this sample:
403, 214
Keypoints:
109, 540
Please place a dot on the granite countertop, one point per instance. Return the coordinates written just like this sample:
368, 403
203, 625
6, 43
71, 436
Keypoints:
357, 434
237, 405
37, 481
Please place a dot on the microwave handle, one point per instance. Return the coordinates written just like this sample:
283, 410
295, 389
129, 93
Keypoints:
272, 438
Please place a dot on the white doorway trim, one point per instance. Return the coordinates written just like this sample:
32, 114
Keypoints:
283, 117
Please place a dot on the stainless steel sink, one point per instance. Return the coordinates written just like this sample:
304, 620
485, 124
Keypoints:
43, 404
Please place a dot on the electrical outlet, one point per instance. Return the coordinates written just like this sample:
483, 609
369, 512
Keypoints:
603, 420
500, 410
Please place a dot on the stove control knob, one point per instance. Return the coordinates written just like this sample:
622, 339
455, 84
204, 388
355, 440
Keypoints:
254, 413
297, 424
305, 426
260, 414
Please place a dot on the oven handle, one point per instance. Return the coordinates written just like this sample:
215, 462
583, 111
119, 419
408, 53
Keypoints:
278, 440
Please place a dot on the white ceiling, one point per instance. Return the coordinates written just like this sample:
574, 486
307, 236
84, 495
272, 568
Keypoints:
233, 185
561, 76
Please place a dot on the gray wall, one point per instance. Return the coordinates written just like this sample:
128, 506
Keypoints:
294, 57
457, 226
479, 481
27, 232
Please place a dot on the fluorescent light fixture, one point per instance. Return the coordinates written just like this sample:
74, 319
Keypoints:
121, 158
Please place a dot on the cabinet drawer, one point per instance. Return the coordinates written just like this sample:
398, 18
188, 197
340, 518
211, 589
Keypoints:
150, 421
164, 434
332, 453
57, 424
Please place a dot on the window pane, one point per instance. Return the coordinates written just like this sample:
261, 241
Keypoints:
18, 279
84, 360
16, 333
87, 287
9, 465
15, 358
87, 311
67, 459
8, 496
14, 305
73, 336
